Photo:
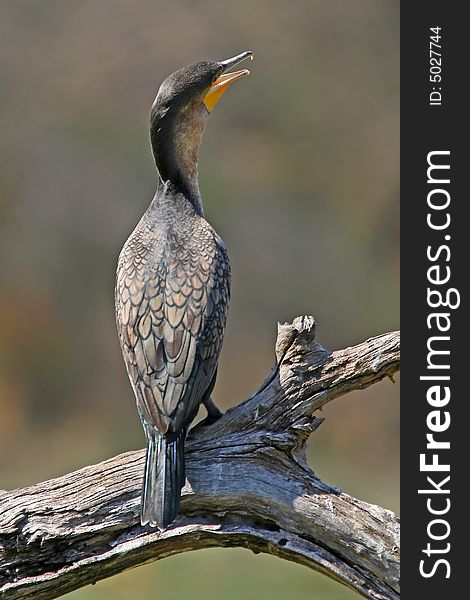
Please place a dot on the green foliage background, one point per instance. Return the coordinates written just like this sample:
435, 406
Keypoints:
299, 174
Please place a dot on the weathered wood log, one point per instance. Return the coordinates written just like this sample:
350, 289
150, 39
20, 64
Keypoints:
249, 485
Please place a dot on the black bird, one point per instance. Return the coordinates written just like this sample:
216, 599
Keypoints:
173, 287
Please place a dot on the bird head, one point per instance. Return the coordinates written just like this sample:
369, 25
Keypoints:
197, 86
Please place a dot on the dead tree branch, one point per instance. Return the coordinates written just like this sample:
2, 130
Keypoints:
248, 485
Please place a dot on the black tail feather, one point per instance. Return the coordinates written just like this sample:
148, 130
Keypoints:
164, 477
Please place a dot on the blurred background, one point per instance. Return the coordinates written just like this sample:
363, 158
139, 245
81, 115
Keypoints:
300, 176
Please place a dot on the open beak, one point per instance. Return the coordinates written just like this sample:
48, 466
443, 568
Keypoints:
224, 81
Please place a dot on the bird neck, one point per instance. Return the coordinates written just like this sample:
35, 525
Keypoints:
175, 144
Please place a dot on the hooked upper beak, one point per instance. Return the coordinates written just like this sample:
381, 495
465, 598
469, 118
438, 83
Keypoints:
225, 80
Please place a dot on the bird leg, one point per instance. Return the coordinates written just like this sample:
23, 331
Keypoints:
212, 411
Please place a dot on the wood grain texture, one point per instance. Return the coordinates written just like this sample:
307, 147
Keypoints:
248, 485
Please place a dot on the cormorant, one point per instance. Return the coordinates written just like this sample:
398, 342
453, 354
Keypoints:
173, 286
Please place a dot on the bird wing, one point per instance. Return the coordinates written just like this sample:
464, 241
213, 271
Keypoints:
171, 321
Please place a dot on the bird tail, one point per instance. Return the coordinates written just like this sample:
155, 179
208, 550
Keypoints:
164, 477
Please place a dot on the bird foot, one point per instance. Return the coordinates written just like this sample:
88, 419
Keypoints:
209, 420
